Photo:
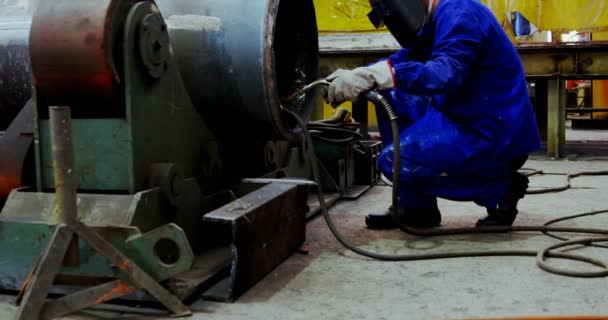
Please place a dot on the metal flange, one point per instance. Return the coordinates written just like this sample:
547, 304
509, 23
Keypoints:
154, 44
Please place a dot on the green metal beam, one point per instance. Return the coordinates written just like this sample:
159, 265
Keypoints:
577, 61
582, 61
556, 119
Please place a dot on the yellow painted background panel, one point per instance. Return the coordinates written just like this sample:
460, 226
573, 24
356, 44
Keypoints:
600, 98
555, 15
580, 15
502, 9
338, 16
600, 87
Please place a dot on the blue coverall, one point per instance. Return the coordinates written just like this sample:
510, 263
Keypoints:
464, 108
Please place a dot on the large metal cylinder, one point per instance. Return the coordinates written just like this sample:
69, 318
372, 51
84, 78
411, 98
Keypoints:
15, 84
239, 57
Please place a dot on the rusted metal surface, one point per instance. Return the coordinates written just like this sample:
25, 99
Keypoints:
133, 272
267, 226
85, 298
46, 271
63, 244
580, 61
22, 243
15, 143
96, 24
72, 48
63, 163
114, 14
556, 117
239, 57
66, 209
42, 279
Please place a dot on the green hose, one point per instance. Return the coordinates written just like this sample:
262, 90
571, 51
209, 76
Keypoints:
379, 100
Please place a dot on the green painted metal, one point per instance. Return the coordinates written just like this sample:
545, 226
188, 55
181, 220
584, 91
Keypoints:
337, 160
21, 245
133, 223
103, 149
149, 254
328, 152
556, 118
28, 220
165, 126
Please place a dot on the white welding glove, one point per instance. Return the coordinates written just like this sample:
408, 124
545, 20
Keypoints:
347, 85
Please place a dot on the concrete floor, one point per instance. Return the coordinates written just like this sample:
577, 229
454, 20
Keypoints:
587, 135
332, 283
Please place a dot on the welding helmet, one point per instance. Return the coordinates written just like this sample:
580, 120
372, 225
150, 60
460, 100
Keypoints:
403, 18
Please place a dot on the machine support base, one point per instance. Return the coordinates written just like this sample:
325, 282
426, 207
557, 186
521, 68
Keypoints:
42, 278
34, 306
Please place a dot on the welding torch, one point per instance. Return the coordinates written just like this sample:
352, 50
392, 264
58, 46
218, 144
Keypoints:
306, 89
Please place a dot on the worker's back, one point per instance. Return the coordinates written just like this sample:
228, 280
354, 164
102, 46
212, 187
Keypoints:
502, 91
494, 99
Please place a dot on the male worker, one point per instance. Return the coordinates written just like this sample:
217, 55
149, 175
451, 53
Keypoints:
466, 121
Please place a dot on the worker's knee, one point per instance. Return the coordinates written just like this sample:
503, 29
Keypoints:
416, 190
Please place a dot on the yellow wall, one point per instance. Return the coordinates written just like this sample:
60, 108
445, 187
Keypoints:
600, 98
555, 15
567, 15
600, 87
343, 16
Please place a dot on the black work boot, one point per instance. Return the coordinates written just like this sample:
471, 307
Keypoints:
415, 218
507, 211
381, 220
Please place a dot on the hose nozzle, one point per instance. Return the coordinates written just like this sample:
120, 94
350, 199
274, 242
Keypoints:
304, 90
